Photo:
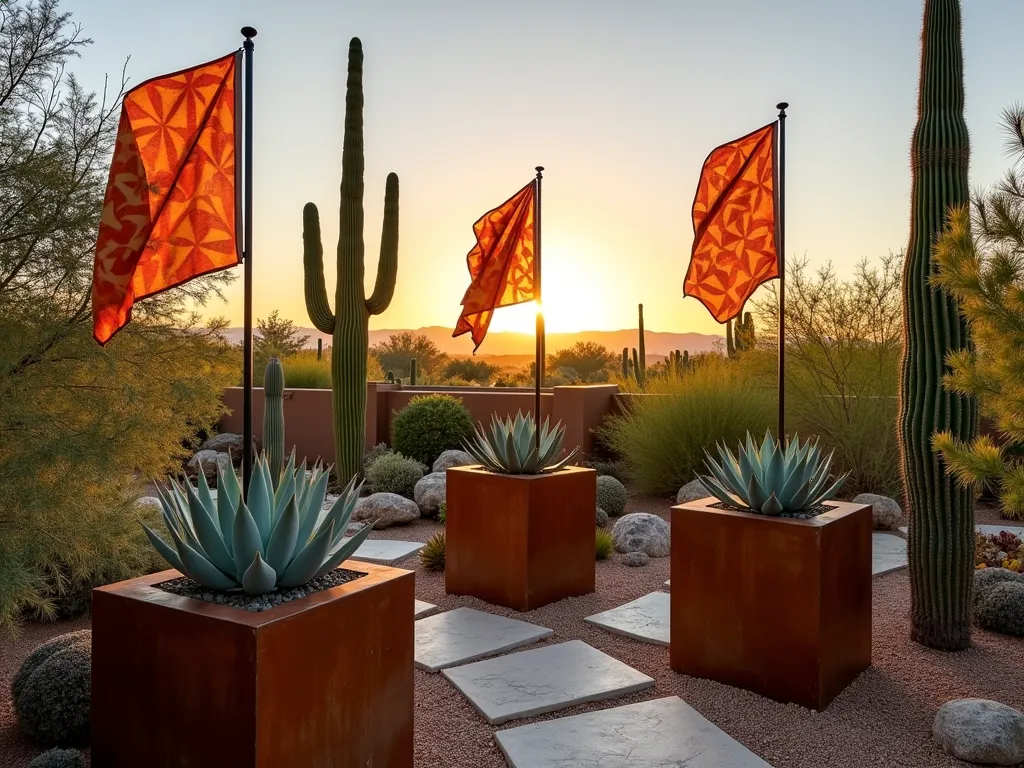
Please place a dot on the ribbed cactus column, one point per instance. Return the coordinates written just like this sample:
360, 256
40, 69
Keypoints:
641, 371
273, 417
412, 372
730, 348
941, 541
349, 321
625, 363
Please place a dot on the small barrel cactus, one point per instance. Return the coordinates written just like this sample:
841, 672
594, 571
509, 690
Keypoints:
273, 418
611, 495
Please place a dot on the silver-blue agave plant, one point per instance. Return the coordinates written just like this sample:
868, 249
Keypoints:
510, 448
771, 479
270, 540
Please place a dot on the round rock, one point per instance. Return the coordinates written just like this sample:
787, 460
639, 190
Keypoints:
209, 462
692, 491
641, 532
429, 493
602, 518
636, 559
980, 731
149, 502
450, 459
225, 442
885, 512
387, 509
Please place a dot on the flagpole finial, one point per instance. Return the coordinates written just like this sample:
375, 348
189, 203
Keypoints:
248, 32
782, 106
540, 171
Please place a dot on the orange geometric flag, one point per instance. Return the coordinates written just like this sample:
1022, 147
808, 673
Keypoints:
500, 264
734, 224
171, 210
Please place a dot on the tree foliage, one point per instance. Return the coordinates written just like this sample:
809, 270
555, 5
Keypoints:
589, 361
470, 371
842, 363
277, 337
981, 263
395, 354
81, 427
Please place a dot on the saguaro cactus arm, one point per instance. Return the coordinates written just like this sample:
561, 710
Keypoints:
317, 305
387, 265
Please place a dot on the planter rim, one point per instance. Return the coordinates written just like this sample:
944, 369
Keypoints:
842, 509
143, 589
478, 469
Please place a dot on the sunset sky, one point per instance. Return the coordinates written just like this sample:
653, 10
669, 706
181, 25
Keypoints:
620, 101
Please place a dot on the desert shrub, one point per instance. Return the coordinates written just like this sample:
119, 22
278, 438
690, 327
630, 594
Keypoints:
59, 758
81, 426
601, 518
430, 425
432, 554
986, 578
611, 495
303, 371
51, 691
603, 543
842, 365
442, 512
1000, 608
380, 449
394, 473
663, 433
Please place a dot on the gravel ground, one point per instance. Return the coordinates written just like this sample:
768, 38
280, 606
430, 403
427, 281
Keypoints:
883, 719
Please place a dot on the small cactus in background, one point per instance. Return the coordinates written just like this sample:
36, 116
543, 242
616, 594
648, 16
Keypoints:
412, 372
730, 347
390, 377
625, 363
638, 371
273, 417
349, 322
319, 349
641, 355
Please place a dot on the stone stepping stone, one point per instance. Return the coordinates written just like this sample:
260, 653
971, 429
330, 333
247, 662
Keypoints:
652, 734
644, 619
421, 609
386, 551
888, 553
544, 680
465, 635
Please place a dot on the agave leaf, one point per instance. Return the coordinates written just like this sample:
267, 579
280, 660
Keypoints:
775, 471
168, 509
259, 578
561, 463
512, 451
732, 470
345, 549
228, 486
314, 503
226, 509
281, 547
748, 467
767, 448
756, 493
209, 534
772, 507
341, 511
203, 571
246, 537
719, 492
285, 492
258, 501
165, 551
179, 506
203, 492
798, 477
308, 561
716, 471
830, 491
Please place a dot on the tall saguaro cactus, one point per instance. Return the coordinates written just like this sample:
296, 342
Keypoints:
941, 541
349, 321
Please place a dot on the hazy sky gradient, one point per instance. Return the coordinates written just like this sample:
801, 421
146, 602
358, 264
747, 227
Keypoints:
621, 102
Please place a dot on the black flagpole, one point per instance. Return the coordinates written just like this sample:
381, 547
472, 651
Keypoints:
781, 244
538, 373
247, 458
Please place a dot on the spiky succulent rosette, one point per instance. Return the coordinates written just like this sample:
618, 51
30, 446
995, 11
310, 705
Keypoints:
771, 480
271, 540
510, 447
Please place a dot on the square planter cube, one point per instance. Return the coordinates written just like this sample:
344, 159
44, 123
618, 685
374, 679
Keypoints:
778, 606
521, 541
325, 680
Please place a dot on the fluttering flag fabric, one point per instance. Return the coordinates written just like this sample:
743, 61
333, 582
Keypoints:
501, 264
171, 208
734, 213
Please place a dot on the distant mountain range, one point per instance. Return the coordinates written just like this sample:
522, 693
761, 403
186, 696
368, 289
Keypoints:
509, 343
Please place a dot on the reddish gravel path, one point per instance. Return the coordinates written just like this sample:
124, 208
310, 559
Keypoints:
883, 719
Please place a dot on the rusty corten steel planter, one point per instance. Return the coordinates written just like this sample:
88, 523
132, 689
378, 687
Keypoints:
521, 541
325, 680
778, 606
